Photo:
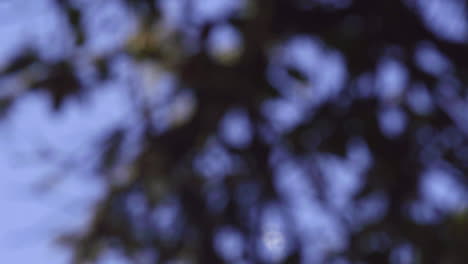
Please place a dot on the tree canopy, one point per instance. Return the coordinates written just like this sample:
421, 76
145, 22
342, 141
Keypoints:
269, 131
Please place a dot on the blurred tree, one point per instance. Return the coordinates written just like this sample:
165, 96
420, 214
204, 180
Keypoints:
326, 131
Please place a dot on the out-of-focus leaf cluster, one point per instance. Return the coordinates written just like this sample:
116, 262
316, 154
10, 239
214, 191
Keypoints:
302, 83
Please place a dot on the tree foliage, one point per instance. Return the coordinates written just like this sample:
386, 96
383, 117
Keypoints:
311, 137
